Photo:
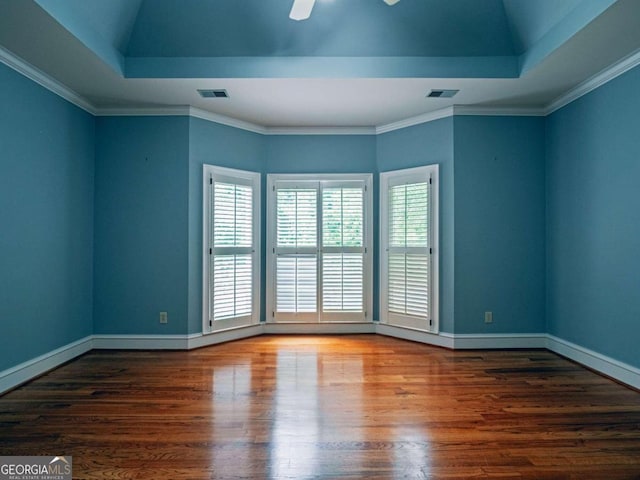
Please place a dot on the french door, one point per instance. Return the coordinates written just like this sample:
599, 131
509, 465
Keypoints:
319, 267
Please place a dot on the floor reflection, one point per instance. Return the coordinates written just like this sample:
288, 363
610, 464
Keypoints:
294, 433
231, 403
411, 455
317, 413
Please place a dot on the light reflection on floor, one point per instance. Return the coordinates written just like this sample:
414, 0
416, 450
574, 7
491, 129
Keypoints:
313, 408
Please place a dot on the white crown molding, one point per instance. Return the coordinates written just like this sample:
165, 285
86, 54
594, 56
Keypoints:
26, 371
608, 366
38, 76
320, 131
473, 110
605, 76
176, 111
180, 111
417, 120
461, 110
228, 121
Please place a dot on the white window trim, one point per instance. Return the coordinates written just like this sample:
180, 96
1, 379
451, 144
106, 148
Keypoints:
428, 171
212, 171
302, 179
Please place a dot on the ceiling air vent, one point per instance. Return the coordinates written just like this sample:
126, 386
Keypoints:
442, 93
213, 93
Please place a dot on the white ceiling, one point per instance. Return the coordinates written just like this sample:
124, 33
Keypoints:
316, 102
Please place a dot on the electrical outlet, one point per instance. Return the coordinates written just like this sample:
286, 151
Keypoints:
163, 317
488, 317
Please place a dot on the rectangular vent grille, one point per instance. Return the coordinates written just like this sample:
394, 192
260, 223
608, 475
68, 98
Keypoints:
213, 93
442, 93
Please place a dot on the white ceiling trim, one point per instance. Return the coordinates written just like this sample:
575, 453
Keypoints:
178, 111
320, 131
599, 79
460, 110
228, 121
417, 120
21, 66
498, 112
32, 73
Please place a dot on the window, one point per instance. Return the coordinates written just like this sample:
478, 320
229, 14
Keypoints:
231, 248
319, 243
409, 255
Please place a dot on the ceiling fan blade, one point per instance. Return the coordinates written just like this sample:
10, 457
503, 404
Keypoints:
301, 9
391, 2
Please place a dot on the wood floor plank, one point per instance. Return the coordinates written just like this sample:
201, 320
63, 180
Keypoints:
306, 407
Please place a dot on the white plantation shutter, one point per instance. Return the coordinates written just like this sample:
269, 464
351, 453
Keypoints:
232, 215
232, 246
343, 217
408, 270
342, 282
296, 252
231, 293
319, 247
407, 226
231, 281
343, 252
297, 217
297, 284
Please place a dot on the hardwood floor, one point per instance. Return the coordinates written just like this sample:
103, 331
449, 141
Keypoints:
296, 407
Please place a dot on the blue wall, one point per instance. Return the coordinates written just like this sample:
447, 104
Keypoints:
101, 218
46, 220
426, 144
215, 144
499, 224
593, 228
321, 154
141, 224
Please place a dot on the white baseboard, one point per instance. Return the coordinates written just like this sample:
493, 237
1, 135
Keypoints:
319, 328
620, 371
14, 376
468, 341
499, 340
202, 340
141, 342
440, 340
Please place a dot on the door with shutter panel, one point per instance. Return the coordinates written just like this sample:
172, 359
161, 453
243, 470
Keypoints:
343, 251
407, 234
319, 251
232, 250
296, 252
